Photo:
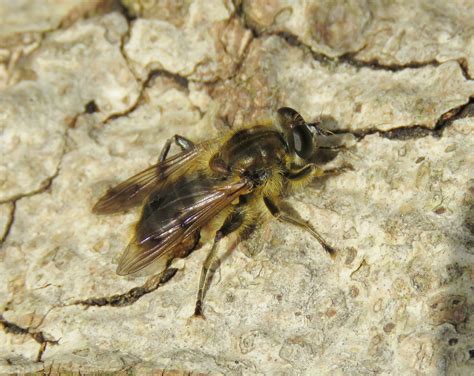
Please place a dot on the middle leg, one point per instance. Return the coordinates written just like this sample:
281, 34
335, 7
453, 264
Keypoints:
181, 141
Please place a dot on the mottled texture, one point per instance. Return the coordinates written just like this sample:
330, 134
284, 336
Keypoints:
94, 103
37, 111
356, 98
388, 34
25, 23
206, 48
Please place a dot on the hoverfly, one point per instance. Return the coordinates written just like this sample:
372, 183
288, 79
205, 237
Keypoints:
230, 183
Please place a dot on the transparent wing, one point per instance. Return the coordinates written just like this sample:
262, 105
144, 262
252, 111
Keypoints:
172, 218
133, 191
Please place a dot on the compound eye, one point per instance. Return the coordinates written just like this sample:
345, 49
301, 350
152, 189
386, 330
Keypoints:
303, 141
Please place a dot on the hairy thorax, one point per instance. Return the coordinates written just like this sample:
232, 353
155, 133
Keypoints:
254, 153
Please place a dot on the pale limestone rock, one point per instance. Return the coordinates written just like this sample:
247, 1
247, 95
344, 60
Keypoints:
178, 12
37, 112
207, 47
24, 24
396, 300
432, 31
357, 98
21, 16
384, 33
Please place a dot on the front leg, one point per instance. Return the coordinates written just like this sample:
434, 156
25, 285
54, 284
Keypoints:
288, 218
312, 171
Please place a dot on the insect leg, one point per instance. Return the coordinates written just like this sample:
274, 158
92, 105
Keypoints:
338, 170
181, 141
300, 173
285, 217
332, 147
314, 171
232, 223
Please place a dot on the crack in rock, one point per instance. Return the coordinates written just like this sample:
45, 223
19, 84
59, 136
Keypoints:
9, 224
375, 64
38, 336
348, 58
46, 183
418, 131
44, 186
465, 69
180, 80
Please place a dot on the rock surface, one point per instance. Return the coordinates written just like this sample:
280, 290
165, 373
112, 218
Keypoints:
93, 101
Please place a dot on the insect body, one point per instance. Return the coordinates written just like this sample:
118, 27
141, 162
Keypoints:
230, 183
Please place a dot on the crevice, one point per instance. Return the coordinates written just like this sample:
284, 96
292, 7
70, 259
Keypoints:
407, 133
180, 80
375, 64
131, 296
134, 106
72, 17
445, 120
123, 10
46, 183
10, 221
399, 133
348, 58
417, 131
38, 336
465, 69
294, 41
290, 38
123, 40
44, 186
